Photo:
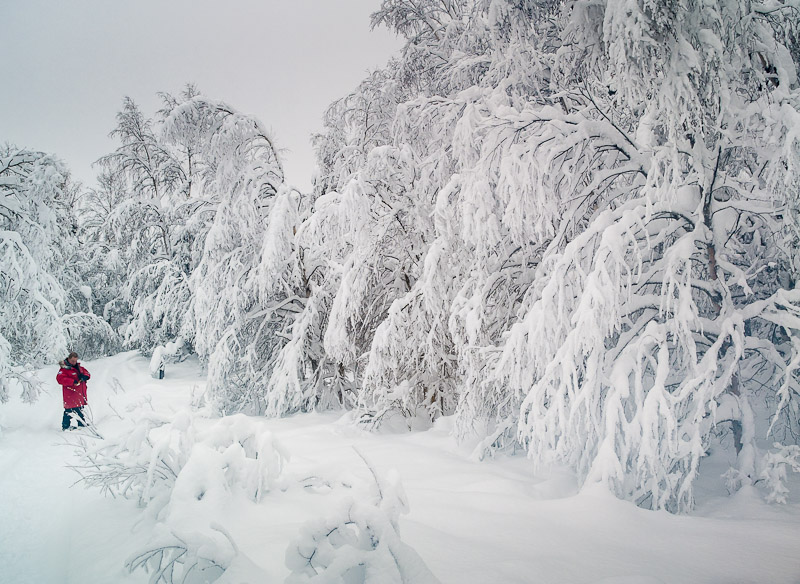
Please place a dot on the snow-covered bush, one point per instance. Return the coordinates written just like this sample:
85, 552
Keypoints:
773, 473
170, 559
161, 462
195, 558
359, 543
184, 471
142, 464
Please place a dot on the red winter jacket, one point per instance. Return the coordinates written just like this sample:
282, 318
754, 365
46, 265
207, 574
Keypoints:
74, 390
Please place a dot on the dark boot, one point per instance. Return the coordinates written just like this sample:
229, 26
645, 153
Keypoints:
65, 421
73, 414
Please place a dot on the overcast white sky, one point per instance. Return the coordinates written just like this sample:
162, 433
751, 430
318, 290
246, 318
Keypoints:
66, 65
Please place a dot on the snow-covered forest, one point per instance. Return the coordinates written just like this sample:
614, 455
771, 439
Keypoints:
564, 231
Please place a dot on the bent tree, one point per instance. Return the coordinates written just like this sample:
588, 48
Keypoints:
608, 276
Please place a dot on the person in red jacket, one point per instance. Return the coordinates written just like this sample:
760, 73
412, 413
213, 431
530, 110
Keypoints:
73, 377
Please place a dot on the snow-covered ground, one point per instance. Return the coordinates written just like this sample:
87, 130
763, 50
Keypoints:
471, 522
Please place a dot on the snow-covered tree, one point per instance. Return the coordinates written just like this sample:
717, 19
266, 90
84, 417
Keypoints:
667, 154
144, 228
225, 272
33, 298
606, 275
571, 224
240, 313
336, 249
103, 253
164, 184
45, 305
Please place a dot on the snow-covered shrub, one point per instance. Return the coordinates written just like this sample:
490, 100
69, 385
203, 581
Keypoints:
35, 243
773, 473
360, 543
160, 461
195, 558
169, 559
185, 471
142, 464
18, 377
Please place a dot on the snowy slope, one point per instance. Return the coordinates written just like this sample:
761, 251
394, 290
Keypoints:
470, 522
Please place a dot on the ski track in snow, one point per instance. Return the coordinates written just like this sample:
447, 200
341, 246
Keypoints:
471, 522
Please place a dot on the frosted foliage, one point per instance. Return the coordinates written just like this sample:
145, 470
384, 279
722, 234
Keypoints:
658, 308
572, 225
359, 543
229, 143
299, 377
144, 188
410, 363
32, 303
31, 297
296, 383
209, 227
165, 184
626, 385
184, 471
278, 272
167, 466
598, 209
17, 378
361, 238
160, 296
91, 333
39, 277
241, 288
355, 125
246, 295
305, 376
324, 244
385, 231
776, 464
5, 349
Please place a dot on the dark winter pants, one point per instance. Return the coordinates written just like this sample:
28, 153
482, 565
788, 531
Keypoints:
69, 414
